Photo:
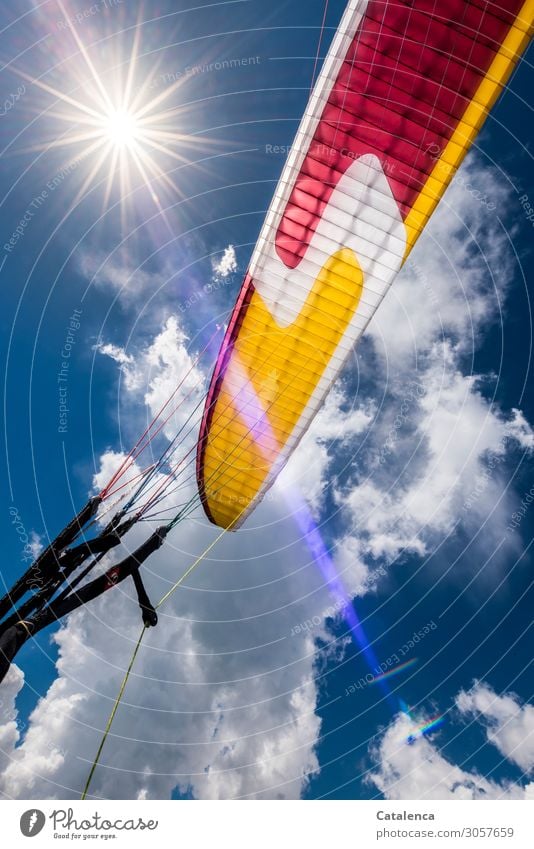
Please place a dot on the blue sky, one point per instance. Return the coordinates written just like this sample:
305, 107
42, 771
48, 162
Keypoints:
243, 690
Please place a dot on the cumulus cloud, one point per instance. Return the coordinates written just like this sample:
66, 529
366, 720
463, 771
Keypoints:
418, 770
167, 364
520, 430
332, 430
9, 727
226, 265
509, 725
164, 373
430, 469
456, 279
439, 447
222, 698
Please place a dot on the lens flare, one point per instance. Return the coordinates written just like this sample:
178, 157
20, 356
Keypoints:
421, 729
395, 671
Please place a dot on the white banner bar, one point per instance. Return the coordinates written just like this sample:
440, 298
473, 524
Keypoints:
270, 824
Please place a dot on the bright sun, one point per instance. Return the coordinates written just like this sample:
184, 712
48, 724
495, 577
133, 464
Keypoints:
122, 128
119, 127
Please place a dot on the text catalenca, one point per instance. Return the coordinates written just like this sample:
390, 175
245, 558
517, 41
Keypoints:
403, 815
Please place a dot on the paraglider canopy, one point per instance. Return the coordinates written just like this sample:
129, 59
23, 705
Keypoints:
403, 92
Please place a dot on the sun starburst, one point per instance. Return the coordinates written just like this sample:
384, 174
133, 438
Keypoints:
122, 128
118, 127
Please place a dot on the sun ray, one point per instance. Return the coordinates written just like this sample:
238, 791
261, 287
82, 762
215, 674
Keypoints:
131, 69
68, 117
146, 87
61, 143
158, 172
161, 98
92, 174
162, 149
111, 177
106, 99
148, 184
138, 161
124, 187
77, 104
167, 135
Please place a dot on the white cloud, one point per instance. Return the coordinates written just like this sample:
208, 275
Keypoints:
161, 367
222, 698
353, 566
110, 272
226, 265
509, 725
331, 431
429, 467
109, 462
439, 447
114, 352
41, 756
168, 364
456, 279
36, 544
162, 371
520, 430
418, 770
9, 727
